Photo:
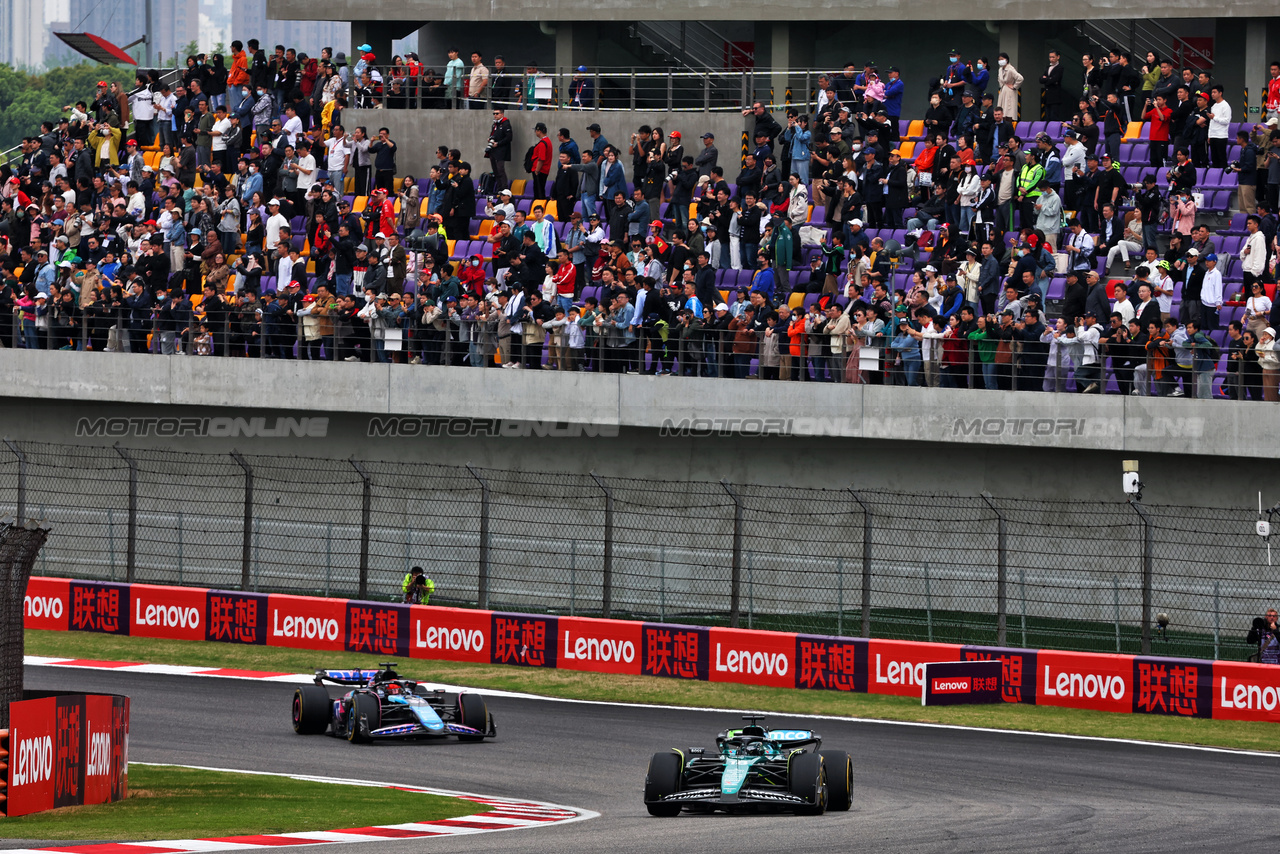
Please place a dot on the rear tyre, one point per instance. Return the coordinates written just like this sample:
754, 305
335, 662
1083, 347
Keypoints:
363, 706
662, 779
839, 780
809, 781
472, 712
310, 710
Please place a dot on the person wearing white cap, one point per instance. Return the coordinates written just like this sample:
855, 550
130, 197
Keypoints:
1269, 361
503, 204
275, 222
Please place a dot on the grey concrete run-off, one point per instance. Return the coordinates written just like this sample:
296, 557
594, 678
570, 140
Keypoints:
419, 132
1220, 429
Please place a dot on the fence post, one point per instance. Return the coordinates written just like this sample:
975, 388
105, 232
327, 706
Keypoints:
246, 544
366, 508
1148, 549
1002, 567
607, 594
866, 562
22, 482
482, 586
131, 549
735, 577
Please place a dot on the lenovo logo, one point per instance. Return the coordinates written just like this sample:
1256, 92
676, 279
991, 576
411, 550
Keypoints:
1083, 685
598, 649
166, 616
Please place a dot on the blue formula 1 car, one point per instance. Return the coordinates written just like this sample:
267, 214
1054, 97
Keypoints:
754, 769
381, 705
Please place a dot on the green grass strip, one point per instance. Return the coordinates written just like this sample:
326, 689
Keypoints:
650, 689
167, 802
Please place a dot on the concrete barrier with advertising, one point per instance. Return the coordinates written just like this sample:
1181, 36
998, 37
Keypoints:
1115, 683
66, 750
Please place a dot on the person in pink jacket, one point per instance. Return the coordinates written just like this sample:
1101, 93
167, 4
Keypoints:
1182, 208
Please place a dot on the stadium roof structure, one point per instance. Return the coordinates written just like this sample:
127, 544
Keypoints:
96, 48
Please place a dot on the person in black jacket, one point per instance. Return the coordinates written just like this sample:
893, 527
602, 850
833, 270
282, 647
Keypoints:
457, 222
896, 191
498, 149
1035, 353
1051, 89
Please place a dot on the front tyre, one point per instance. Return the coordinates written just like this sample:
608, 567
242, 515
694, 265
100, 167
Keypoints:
472, 712
366, 716
839, 780
809, 781
310, 710
663, 778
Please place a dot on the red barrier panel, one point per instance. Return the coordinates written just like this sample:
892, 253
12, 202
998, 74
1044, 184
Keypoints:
753, 658
67, 750
599, 646
1082, 680
303, 622
449, 634
174, 613
1246, 692
47, 604
897, 667
31, 756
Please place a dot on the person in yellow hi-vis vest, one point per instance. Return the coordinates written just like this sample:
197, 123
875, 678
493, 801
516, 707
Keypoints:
417, 587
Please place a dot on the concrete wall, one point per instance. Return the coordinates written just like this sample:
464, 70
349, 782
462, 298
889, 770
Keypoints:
770, 10
1037, 445
419, 132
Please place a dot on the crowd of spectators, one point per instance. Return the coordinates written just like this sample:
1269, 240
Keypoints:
240, 217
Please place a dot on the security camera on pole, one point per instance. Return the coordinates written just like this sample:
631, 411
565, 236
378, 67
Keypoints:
1133, 492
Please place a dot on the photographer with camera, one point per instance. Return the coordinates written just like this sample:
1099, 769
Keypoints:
417, 587
1267, 637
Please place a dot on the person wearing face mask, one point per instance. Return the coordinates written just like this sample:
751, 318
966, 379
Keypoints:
263, 111
1009, 81
967, 193
977, 75
951, 84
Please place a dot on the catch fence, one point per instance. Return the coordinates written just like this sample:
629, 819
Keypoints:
975, 569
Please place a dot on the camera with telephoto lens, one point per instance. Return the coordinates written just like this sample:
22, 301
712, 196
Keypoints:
1233, 166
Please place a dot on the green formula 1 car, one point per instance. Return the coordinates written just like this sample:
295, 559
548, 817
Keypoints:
753, 769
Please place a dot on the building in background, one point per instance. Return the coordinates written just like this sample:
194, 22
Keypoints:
24, 31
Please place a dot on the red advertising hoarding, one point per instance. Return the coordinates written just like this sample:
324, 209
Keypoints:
599, 646
303, 622
753, 658
449, 634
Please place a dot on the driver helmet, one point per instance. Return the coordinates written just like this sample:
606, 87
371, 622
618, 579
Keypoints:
393, 688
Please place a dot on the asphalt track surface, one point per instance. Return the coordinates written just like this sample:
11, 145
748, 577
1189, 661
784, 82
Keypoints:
915, 789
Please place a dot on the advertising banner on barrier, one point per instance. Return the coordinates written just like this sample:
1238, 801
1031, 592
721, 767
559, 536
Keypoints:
897, 667
678, 652
449, 634
233, 617
753, 658
176, 613
523, 639
378, 628
1245, 692
306, 623
99, 606
1018, 674
1083, 680
1170, 686
47, 604
67, 750
961, 683
833, 664
32, 724
1106, 682
599, 646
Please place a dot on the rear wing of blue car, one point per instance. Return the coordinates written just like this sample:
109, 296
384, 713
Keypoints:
785, 739
346, 677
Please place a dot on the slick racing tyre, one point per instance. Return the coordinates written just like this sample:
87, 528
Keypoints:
839, 779
364, 706
809, 781
472, 712
310, 710
663, 778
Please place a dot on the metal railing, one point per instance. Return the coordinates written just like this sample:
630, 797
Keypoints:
692, 44
1141, 35
840, 560
608, 88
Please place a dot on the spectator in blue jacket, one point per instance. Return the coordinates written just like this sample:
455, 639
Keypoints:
894, 89
800, 139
